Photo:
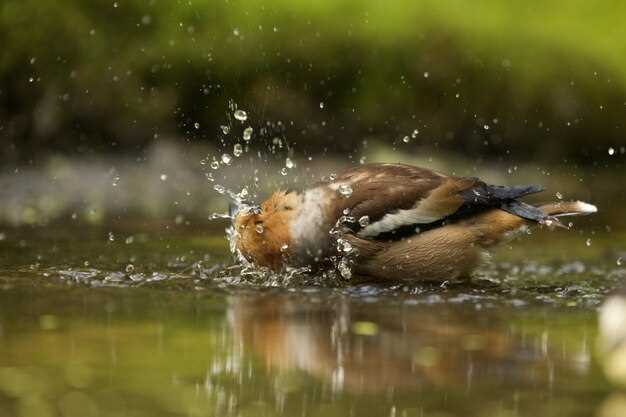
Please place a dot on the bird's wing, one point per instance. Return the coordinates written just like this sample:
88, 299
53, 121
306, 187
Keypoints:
397, 197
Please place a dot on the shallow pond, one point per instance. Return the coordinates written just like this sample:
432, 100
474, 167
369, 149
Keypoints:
152, 323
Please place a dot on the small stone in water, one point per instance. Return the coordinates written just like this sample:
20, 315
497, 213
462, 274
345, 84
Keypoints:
611, 151
247, 133
259, 228
226, 159
364, 221
345, 190
225, 129
237, 149
241, 115
289, 163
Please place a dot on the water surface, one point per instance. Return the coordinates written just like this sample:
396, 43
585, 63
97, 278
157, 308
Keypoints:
107, 322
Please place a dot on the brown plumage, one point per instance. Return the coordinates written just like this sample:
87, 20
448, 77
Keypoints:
403, 222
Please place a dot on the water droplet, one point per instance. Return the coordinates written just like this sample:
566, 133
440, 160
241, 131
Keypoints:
163, 177
345, 190
426, 74
486, 127
364, 221
225, 129
321, 104
289, 163
406, 139
130, 268
219, 188
129, 240
619, 261
415, 133
116, 181
196, 125
237, 150
247, 133
283, 171
111, 237
241, 115
259, 228
332, 177
284, 247
344, 269
588, 242
115, 4
215, 164
611, 151
226, 159
559, 195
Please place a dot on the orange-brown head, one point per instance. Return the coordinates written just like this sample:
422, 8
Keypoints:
262, 236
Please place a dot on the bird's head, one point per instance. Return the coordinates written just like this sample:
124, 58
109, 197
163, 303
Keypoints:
262, 232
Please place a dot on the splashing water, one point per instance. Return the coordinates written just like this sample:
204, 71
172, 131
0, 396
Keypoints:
241, 115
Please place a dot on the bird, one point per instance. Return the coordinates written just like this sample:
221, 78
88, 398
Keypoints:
389, 221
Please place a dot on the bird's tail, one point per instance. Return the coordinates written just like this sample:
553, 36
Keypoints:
491, 226
568, 208
548, 214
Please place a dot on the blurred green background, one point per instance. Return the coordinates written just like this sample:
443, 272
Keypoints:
102, 100
538, 79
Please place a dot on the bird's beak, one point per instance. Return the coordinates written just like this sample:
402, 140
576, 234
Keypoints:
251, 208
233, 209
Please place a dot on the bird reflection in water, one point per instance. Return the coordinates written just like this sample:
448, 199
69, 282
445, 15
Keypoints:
360, 347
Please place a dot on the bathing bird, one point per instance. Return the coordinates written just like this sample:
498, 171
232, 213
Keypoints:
384, 221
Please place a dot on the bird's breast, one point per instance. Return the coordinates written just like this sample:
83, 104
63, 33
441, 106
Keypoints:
310, 227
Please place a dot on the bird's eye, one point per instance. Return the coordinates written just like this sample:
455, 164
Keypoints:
287, 208
257, 222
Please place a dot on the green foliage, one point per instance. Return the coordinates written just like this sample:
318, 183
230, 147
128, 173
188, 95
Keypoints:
103, 75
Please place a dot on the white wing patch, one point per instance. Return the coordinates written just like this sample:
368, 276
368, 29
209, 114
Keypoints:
397, 219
